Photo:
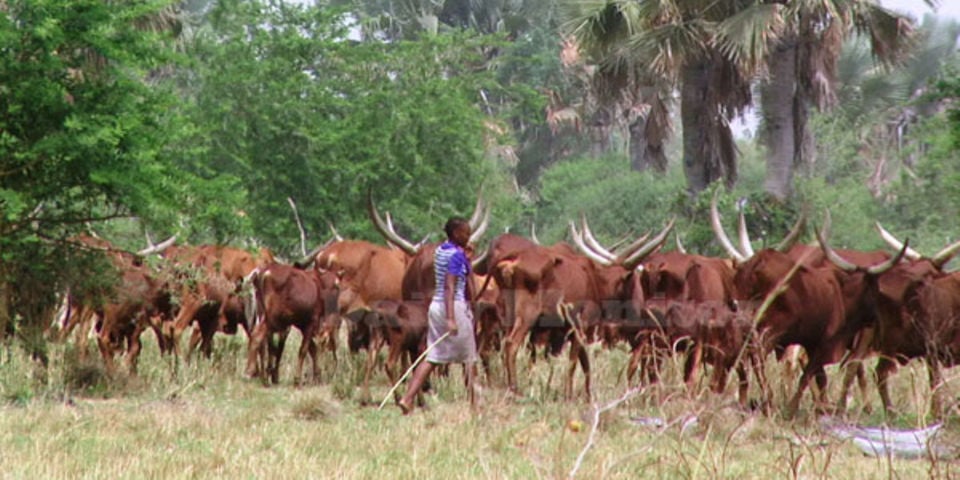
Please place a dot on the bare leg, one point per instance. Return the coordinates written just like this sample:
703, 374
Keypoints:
419, 377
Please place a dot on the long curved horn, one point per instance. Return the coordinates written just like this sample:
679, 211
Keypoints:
589, 252
833, 256
158, 247
333, 230
388, 234
592, 240
890, 263
721, 234
744, 235
478, 232
945, 255
795, 232
622, 241
533, 233
477, 214
475, 263
656, 242
680, 247
849, 266
312, 256
896, 244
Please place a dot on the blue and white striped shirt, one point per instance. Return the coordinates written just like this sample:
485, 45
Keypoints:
449, 258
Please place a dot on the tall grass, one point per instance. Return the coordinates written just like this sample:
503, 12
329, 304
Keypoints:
205, 420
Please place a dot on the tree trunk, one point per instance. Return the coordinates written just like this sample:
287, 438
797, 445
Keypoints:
709, 152
779, 106
599, 132
645, 152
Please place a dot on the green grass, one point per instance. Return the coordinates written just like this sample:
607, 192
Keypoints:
205, 420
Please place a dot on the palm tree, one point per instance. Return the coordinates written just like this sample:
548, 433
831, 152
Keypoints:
880, 105
802, 68
708, 50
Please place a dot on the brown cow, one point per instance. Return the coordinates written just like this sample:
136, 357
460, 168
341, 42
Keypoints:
538, 285
211, 279
626, 314
904, 300
810, 312
83, 308
287, 297
135, 301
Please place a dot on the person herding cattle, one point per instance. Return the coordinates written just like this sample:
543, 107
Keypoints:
449, 315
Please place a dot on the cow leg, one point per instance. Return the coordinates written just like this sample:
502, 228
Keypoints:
885, 367
854, 370
370, 365
517, 335
255, 349
394, 355
692, 364
811, 370
275, 353
743, 384
106, 351
821, 379
936, 386
759, 372
195, 339
133, 349
207, 331
571, 370
188, 310
584, 357
633, 364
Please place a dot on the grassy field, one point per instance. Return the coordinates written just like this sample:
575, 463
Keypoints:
205, 420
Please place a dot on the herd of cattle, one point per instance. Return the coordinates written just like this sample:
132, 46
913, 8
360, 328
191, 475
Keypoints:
729, 313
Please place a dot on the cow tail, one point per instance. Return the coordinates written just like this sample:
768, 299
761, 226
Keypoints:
255, 280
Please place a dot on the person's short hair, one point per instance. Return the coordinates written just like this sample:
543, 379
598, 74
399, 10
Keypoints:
453, 224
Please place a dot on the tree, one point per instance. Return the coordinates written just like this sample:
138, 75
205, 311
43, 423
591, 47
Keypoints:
708, 50
802, 67
296, 109
83, 138
878, 107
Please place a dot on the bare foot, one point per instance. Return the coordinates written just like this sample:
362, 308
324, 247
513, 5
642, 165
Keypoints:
405, 407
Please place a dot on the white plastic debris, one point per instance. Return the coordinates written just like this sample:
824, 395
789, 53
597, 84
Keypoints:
884, 441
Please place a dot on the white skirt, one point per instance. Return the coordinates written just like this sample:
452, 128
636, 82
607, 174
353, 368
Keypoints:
461, 348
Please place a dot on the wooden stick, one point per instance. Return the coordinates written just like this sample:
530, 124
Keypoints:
412, 366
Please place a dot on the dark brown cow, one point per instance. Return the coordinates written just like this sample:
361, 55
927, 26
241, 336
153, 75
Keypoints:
83, 309
907, 293
287, 297
136, 300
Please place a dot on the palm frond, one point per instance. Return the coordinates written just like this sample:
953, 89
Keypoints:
600, 24
670, 46
891, 34
746, 37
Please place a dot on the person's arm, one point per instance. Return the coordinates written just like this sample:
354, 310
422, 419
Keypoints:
449, 293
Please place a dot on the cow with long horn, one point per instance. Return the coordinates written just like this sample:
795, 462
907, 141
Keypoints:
814, 311
908, 293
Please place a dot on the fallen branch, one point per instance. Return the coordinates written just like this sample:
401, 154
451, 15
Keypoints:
597, 411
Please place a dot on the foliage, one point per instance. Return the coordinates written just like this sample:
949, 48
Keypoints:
296, 109
83, 139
